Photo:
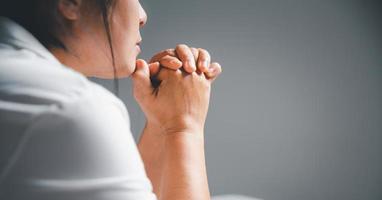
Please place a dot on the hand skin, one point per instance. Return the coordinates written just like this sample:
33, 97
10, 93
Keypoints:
174, 59
150, 147
176, 164
174, 157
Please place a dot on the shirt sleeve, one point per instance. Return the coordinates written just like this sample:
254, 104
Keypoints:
80, 151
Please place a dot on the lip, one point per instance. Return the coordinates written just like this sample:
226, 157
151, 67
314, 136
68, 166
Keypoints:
138, 48
139, 41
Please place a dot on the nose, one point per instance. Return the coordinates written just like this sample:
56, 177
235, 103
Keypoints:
142, 16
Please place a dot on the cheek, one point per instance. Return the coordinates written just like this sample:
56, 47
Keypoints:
125, 51
125, 33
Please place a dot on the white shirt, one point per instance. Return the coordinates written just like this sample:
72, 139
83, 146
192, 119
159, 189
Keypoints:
62, 137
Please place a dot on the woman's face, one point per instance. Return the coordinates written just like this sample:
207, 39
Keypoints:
127, 18
88, 44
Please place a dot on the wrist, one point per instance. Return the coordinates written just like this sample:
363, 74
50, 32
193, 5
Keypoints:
176, 127
195, 134
151, 146
184, 167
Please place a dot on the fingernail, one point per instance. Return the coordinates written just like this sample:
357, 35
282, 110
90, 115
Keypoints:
192, 65
200, 64
205, 63
174, 62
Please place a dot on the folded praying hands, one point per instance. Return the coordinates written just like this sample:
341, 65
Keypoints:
173, 90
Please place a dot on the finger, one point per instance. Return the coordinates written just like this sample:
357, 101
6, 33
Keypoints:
158, 56
154, 68
141, 76
204, 60
195, 52
214, 71
165, 73
170, 62
186, 56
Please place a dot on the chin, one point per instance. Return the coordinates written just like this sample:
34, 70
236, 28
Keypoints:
125, 70
126, 61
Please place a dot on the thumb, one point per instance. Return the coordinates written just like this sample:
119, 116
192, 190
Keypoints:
141, 75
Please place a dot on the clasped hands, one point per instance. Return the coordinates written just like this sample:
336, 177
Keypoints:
173, 89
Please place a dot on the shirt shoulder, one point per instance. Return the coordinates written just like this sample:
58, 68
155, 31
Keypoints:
77, 151
24, 72
27, 79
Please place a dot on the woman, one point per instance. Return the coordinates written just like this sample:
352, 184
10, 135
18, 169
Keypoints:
65, 137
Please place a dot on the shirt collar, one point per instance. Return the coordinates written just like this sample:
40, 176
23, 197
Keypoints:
15, 35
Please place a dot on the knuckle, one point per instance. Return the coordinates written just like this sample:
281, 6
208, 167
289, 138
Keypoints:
194, 75
208, 55
206, 84
203, 51
169, 51
180, 46
202, 67
203, 60
178, 72
195, 53
167, 57
205, 55
189, 59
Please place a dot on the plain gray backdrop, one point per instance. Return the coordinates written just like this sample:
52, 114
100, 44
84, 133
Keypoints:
297, 112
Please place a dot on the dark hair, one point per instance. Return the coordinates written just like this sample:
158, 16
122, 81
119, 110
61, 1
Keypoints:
43, 20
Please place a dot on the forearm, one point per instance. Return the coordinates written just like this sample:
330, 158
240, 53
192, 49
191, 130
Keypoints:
150, 147
175, 163
184, 173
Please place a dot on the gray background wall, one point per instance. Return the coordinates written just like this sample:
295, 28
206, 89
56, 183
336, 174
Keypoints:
297, 112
